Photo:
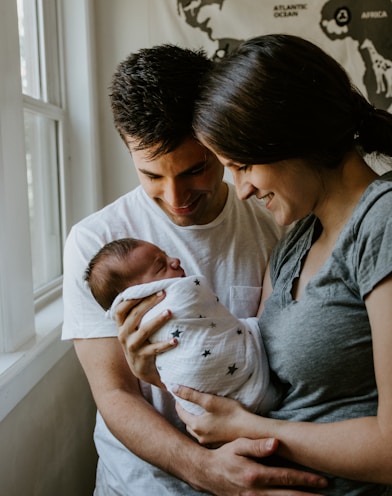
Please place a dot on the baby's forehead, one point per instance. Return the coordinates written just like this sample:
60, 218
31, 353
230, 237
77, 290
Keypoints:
150, 248
147, 250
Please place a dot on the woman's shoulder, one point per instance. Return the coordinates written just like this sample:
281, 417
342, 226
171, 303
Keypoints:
375, 206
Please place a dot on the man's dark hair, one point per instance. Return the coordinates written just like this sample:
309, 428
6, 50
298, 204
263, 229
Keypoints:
153, 92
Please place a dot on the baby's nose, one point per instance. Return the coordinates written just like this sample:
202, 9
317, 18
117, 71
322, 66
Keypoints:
176, 263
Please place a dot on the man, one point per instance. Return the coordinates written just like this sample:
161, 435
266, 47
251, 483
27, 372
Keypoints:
183, 206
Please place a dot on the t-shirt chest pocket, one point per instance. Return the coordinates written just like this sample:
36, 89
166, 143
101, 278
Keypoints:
244, 300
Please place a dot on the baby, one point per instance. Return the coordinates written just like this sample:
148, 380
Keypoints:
216, 352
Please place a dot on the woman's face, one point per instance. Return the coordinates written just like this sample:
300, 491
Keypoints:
290, 189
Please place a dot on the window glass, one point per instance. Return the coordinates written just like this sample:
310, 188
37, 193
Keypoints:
44, 197
29, 48
43, 120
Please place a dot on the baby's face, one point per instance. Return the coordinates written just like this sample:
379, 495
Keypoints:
153, 264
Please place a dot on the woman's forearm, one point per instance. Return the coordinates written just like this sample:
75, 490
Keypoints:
356, 449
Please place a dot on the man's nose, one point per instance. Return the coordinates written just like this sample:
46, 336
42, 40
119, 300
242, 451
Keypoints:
174, 193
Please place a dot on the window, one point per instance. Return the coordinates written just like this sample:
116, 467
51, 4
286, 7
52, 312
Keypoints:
44, 136
49, 176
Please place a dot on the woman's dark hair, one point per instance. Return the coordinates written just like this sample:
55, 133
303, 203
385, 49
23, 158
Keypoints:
278, 97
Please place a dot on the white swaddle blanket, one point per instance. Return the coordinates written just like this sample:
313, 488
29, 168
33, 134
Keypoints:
217, 353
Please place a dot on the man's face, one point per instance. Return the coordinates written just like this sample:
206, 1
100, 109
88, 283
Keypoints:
186, 183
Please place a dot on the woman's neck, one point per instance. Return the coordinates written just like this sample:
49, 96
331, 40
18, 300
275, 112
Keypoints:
343, 188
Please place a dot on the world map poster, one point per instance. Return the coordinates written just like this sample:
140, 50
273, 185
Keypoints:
357, 33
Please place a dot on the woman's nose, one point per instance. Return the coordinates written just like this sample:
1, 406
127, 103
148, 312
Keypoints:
244, 189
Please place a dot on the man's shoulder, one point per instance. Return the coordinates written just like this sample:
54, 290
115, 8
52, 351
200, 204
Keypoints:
115, 212
120, 219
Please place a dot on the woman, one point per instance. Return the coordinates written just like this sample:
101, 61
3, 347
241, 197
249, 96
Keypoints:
285, 119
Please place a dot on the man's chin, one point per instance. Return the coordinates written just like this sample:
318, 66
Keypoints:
182, 220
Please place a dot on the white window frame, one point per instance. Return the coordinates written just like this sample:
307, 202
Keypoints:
30, 329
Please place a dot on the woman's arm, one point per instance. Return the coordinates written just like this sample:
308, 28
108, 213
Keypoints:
266, 290
357, 448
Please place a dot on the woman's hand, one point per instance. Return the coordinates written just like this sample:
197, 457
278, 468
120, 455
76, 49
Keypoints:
138, 350
222, 421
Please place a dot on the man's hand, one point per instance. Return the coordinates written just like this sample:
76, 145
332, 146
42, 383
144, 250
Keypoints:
138, 350
235, 471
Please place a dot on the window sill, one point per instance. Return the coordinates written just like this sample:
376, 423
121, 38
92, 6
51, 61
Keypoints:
22, 370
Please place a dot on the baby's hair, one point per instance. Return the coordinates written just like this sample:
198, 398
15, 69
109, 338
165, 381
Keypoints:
105, 273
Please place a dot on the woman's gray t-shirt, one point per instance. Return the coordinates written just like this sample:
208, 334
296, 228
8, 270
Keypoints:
320, 347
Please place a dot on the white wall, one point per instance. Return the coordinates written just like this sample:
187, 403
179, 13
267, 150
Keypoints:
121, 28
46, 442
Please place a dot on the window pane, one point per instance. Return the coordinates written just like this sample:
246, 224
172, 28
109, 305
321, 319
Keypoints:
44, 197
29, 48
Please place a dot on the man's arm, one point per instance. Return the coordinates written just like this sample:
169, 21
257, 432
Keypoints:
223, 472
126, 413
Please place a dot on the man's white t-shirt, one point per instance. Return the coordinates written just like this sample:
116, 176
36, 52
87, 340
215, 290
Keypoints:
231, 252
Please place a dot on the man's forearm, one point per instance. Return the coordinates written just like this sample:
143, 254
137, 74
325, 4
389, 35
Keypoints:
229, 470
226, 471
127, 414
137, 425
